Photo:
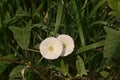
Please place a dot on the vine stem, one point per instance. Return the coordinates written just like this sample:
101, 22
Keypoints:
41, 76
3, 59
37, 51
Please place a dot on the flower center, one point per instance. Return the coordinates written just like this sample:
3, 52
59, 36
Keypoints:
51, 48
64, 46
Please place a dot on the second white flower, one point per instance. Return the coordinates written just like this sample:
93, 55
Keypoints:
68, 44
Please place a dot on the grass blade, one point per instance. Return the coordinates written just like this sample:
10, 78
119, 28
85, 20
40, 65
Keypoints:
89, 47
58, 18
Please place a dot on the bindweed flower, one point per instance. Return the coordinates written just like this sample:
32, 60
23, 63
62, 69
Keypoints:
68, 44
51, 48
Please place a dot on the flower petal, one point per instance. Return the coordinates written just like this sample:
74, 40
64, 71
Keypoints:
51, 48
68, 44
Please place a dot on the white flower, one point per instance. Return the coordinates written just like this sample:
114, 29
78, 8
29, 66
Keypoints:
68, 44
51, 48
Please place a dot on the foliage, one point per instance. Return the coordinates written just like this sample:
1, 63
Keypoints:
93, 24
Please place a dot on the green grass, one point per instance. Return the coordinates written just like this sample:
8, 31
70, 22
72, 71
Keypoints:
93, 24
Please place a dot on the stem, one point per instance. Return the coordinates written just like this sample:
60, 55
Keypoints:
41, 76
3, 59
37, 51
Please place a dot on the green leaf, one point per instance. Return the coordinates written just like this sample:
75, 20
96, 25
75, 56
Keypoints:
21, 12
21, 35
104, 74
29, 25
112, 43
64, 68
4, 63
113, 4
15, 74
114, 13
7, 18
80, 66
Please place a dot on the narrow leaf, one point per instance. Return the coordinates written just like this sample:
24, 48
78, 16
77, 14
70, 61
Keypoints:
97, 6
98, 22
77, 17
64, 68
0, 22
58, 18
80, 66
89, 47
